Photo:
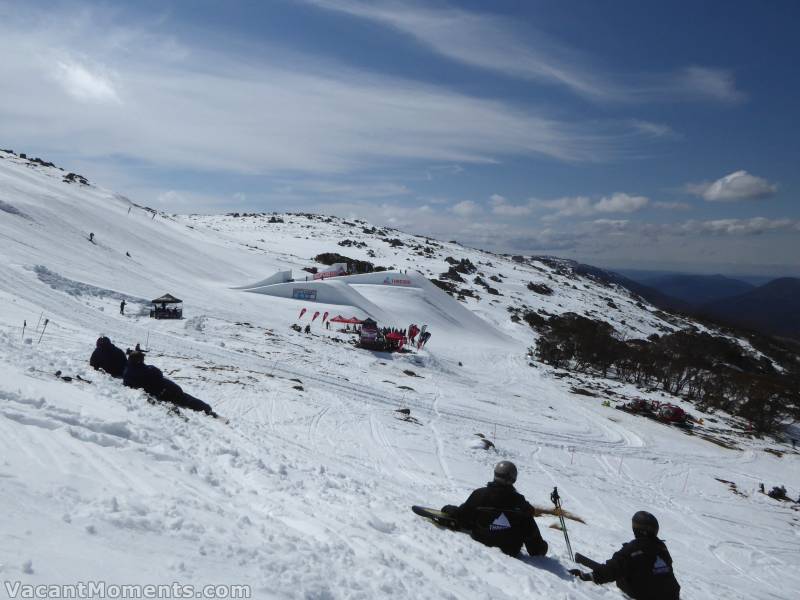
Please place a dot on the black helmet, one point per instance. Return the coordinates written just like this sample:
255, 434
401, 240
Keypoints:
644, 524
136, 358
505, 472
103, 341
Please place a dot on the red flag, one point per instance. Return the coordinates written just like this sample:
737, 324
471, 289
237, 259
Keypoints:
302, 312
316, 314
325, 316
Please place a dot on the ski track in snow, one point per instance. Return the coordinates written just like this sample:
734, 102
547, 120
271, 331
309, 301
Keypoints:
306, 494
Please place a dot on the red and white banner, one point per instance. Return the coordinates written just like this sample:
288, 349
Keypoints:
302, 312
316, 314
325, 316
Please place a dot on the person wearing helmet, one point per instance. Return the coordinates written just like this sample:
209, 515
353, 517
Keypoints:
107, 357
499, 516
642, 568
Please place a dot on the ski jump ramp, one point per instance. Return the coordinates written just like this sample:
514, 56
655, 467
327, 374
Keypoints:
390, 297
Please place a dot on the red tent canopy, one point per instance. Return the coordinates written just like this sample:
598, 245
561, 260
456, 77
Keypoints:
341, 319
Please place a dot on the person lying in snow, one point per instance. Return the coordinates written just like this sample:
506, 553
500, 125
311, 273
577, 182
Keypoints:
499, 516
107, 357
642, 568
150, 379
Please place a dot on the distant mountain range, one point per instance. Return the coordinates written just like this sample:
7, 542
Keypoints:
697, 290
772, 308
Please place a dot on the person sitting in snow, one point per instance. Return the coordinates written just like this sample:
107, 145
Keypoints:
107, 357
778, 493
499, 516
642, 568
150, 379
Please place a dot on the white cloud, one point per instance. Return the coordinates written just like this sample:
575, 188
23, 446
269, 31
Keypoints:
583, 206
571, 206
621, 203
501, 207
466, 208
499, 44
84, 84
739, 185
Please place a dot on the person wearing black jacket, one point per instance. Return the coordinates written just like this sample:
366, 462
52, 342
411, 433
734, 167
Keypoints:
107, 357
499, 516
642, 568
150, 379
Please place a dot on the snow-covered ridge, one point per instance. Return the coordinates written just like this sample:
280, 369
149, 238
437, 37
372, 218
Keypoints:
306, 493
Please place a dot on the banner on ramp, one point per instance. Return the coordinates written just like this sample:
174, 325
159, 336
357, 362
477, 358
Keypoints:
303, 294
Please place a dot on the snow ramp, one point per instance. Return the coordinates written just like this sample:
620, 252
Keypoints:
392, 298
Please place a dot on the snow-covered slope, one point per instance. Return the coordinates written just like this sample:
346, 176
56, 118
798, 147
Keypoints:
306, 493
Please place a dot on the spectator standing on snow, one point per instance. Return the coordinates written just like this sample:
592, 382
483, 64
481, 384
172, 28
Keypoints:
107, 357
499, 516
122, 307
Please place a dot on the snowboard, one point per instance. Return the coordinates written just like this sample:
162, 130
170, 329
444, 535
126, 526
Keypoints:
586, 562
436, 516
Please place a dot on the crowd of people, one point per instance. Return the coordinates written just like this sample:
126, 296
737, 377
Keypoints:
407, 335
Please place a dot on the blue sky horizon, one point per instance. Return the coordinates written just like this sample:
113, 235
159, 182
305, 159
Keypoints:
650, 135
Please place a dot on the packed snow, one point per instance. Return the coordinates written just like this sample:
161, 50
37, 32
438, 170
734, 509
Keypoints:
306, 492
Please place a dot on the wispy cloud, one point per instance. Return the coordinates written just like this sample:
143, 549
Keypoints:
714, 84
353, 189
752, 226
497, 44
85, 84
739, 185
672, 205
176, 104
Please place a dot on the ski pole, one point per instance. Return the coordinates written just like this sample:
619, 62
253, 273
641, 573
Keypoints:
556, 499
39, 321
24, 325
46, 321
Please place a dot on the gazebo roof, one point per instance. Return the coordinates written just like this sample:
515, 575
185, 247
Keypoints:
167, 299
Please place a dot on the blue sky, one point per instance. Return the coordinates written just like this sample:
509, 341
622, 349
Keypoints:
659, 135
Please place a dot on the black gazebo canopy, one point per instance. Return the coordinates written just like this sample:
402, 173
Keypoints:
167, 299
